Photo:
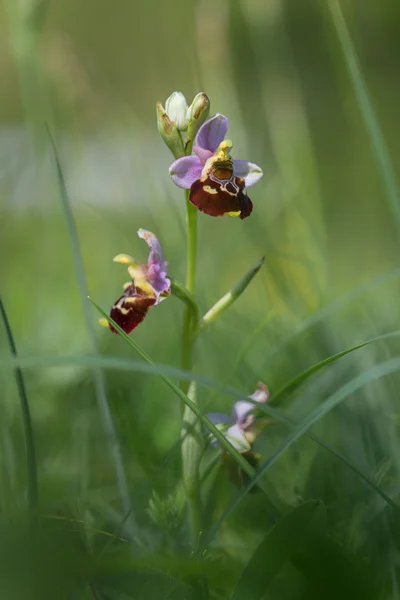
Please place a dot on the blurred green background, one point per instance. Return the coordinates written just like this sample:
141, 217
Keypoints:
93, 71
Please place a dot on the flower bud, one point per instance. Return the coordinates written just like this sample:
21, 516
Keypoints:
169, 132
197, 114
176, 108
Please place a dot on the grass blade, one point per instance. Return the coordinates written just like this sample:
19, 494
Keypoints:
291, 533
375, 134
123, 364
331, 308
188, 402
302, 377
355, 384
33, 495
100, 386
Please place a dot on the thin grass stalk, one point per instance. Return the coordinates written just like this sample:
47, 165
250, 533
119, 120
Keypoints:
31, 469
98, 375
377, 140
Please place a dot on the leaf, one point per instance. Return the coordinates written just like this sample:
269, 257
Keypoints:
288, 388
331, 573
327, 311
377, 140
303, 525
226, 301
372, 374
123, 364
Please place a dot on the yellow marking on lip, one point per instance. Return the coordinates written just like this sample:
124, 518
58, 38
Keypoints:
103, 322
209, 189
234, 213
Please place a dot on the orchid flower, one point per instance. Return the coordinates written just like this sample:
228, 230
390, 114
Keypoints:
217, 183
238, 427
149, 285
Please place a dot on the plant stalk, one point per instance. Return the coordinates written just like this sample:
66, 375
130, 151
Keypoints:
192, 442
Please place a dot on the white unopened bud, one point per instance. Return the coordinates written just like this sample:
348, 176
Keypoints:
176, 108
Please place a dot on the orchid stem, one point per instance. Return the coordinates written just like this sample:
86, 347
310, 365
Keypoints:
192, 449
191, 215
191, 428
188, 321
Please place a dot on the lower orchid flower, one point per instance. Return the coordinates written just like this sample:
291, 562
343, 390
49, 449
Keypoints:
239, 427
149, 286
217, 183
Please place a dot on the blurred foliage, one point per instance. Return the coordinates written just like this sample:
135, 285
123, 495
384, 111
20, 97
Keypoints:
93, 72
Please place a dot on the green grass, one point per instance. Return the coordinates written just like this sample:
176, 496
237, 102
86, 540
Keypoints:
90, 428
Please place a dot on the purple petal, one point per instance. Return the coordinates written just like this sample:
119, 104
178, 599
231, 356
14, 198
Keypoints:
250, 172
185, 171
261, 394
157, 277
212, 132
156, 267
242, 408
151, 241
203, 154
241, 414
236, 436
218, 418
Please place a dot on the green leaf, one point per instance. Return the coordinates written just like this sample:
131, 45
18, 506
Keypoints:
327, 311
305, 525
331, 573
226, 301
288, 388
124, 364
377, 140
372, 374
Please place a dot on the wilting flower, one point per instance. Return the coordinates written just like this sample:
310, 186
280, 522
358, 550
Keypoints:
149, 286
239, 427
217, 183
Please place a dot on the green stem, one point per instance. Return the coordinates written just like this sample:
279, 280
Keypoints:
180, 292
26, 417
191, 429
192, 447
188, 321
191, 217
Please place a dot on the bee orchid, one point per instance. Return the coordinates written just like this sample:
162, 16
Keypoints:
217, 183
238, 428
149, 285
